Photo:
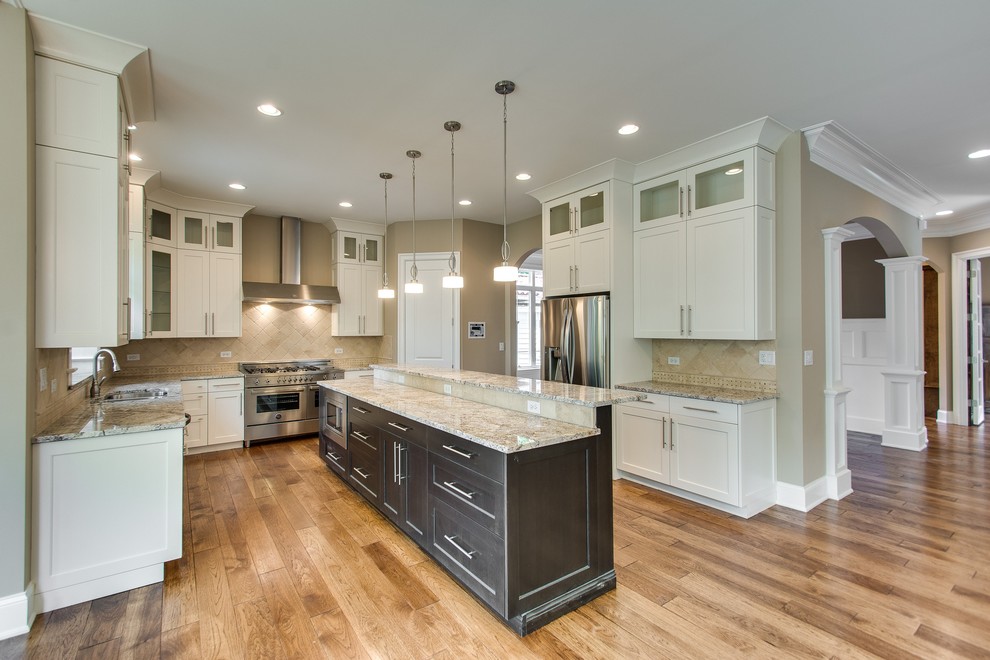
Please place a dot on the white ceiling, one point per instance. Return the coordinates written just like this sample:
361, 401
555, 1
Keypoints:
361, 81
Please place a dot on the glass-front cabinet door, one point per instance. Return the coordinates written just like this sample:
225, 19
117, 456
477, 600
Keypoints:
372, 251
590, 208
557, 224
225, 234
161, 280
353, 248
726, 183
161, 224
193, 229
659, 201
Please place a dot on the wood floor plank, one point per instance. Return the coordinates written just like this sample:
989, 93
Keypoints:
219, 635
260, 639
337, 638
242, 577
105, 621
181, 642
180, 604
294, 626
141, 636
415, 592
62, 630
108, 650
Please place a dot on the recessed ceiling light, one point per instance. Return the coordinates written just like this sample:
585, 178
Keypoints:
982, 153
346, 205
628, 129
943, 213
134, 157
465, 202
522, 176
269, 109
237, 186
734, 171
131, 127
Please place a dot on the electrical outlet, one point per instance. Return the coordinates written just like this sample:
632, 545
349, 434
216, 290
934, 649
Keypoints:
674, 360
401, 379
133, 357
43, 377
225, 353
54, 385
501, 346
533, 407
809, 358
446, 388
338, 351
768, 358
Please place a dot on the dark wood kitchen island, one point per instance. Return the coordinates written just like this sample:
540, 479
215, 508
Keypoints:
516, 506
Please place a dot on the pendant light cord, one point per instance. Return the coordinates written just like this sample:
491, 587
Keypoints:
505, 177
452, 262
385, 237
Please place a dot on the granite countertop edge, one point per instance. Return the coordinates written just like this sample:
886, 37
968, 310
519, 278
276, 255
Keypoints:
433, 410
701, 392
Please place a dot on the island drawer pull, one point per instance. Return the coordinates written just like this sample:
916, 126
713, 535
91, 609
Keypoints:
360, 410
361, 473
707, 410
333, 456
360, 436
399, 426
452, 485
466, 553
459, 452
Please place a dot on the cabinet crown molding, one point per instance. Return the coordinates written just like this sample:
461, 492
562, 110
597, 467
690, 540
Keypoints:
610, 169
340, 224
175, 200
840, 152
765, 132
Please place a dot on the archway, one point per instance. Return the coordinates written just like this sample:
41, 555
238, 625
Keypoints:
525, 317
903, 371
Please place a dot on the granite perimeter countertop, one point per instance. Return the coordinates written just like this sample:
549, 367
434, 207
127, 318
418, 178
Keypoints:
219, 374
506, 431
702, 392
94, 419
579, 395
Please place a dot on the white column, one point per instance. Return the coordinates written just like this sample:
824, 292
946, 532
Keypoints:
904, 375
838, 478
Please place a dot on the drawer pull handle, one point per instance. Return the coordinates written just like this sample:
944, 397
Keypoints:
452, 485
361, 473
647, 401
450, 540
707, 410
459, 452
399, 426
333, 456
360, 410
360, 436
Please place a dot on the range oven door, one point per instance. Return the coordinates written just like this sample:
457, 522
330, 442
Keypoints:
269, 405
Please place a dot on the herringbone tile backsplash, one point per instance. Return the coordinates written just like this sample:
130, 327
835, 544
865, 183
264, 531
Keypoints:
269, 332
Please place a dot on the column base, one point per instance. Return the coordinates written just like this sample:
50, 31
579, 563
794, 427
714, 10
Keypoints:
911, 440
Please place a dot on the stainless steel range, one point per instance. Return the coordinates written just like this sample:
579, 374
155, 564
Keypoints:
282, 399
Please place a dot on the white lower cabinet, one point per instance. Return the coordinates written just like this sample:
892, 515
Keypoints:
107, 515
721, 454
216, 410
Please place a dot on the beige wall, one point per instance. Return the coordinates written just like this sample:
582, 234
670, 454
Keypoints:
17, 351
863, 294
262, 241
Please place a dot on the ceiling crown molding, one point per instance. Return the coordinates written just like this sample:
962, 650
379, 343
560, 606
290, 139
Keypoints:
976, 220
843, 154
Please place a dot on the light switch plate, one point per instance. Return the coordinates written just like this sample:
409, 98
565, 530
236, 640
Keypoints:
446, 388
809, 358
768, 358
225, 353
43, 377
133, 357
501, 346
673, 360
533, 407
54, 385
338, 351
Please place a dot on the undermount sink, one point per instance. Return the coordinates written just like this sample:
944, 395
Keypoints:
135, 395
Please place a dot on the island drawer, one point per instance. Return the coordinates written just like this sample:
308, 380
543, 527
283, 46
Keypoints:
474, 555
476, 497
484, 460
359, 411
403, 427
363, 434
366, 470
334, 455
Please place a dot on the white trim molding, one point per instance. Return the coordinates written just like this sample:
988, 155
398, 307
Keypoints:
843, 154
802, 498
956, 225
16, 613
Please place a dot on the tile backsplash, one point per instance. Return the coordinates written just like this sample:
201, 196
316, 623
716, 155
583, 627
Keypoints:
734, 364
269, 332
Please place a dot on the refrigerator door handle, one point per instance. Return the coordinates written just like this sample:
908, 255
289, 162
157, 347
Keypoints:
567, 344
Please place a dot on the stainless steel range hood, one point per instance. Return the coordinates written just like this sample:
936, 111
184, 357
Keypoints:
289, 289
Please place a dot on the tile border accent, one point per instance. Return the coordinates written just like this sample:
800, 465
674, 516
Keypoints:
749, 385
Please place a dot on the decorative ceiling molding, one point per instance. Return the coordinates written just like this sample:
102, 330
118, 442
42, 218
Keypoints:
843, 154
957, 225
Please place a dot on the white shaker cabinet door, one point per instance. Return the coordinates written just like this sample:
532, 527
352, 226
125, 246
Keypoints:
225, 294
641, 446
226, 417
659, 310
193, 294
704, 458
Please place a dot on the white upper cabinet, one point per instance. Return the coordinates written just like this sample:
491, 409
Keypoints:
576, 242
204, 231
360, 310
160, 224
355, 248
582, 212
76, 108
208, 294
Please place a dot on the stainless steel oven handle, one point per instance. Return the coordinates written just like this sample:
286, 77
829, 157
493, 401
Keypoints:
261, 391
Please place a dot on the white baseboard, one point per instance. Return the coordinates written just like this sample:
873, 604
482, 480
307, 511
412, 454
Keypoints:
910, 440
112, 584
16, 614
864, 425
943, 416
802, 498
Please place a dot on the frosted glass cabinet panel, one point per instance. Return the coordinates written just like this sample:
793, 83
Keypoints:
719, 185
193, 228
161, 280
591, 210
161, 224
560, 219
354, 248
582, 212
659, 201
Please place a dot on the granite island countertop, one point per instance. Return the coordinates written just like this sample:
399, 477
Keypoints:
579, 395
506, 431
93, 419
702, 392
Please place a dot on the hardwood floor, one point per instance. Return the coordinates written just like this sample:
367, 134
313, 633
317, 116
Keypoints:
282, 560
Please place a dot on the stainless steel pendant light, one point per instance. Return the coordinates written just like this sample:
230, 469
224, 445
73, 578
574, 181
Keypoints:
386, 291
452, 280
505, 272
414, 285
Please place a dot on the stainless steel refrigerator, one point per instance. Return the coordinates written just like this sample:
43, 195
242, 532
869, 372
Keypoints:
575, 340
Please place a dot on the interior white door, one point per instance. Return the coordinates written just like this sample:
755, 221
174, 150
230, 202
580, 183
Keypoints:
427, 321
976, 411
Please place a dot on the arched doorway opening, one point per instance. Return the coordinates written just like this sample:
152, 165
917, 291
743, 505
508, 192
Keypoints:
527, 319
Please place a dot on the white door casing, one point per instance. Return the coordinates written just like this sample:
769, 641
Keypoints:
975, 325
427, 322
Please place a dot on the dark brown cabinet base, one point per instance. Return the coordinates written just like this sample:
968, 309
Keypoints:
529, 533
